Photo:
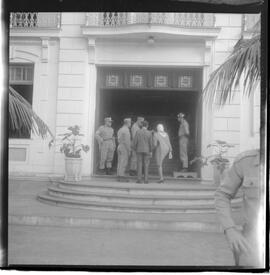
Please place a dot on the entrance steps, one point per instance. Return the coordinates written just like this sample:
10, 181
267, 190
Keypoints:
58, 211
153, 198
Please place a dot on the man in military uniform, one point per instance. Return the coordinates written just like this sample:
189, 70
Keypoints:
123, 150
106, 141
183, 134
243, 173
133, 160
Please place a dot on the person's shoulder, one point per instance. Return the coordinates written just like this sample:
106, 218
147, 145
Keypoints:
109, 129
126, 129
138, 132
185, 121
101, 127
246, 154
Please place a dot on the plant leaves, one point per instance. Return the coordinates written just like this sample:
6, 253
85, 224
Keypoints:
22, 116
244, 62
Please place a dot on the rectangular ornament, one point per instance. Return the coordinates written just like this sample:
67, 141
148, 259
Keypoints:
136, 81
161, 81
185, 81
112, 80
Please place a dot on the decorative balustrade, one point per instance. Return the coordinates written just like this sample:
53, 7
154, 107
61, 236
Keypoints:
35, 20
250, 21
115, 19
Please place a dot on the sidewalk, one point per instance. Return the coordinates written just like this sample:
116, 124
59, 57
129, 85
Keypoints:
33, 241
84, 246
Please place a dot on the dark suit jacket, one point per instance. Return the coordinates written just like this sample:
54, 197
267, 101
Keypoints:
143, 142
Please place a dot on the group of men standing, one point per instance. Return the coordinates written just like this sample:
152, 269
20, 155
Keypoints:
135, 147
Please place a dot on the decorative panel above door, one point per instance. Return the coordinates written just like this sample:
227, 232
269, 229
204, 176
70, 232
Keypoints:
151, 78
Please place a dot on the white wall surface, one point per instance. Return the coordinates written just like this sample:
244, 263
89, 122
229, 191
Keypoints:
141, 53
65, 86
39, 158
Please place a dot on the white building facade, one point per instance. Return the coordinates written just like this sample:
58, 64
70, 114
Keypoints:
80, 67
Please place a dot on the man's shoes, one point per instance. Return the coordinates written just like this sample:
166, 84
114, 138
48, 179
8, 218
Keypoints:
109, 171
101, 172
184, 170
132, 173
123, 179
161, 181
146, 181
138, 181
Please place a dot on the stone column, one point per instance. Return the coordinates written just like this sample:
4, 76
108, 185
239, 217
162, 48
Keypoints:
91, 79
207, 113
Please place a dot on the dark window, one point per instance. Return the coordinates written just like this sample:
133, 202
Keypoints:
21, 80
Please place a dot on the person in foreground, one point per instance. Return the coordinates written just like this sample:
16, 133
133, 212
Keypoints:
244, 173
143, 145
162, 147
106, 142
123, 149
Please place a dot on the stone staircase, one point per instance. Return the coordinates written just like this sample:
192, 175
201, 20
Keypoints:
168, 198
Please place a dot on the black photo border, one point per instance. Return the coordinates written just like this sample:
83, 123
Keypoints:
213, 6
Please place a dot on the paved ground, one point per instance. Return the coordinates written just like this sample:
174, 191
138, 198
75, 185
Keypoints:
92, 246
82, 246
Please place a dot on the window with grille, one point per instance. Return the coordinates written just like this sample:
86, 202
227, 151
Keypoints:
21, 80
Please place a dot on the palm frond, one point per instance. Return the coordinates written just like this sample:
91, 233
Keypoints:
22, 116
244, 62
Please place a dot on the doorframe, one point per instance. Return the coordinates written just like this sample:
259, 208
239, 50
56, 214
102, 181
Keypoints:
200, 114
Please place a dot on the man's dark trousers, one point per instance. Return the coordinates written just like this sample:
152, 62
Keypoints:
143, 161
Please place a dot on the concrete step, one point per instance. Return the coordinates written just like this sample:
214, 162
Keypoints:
152, 189
25, 209
126, 223
155, 199
152, 177
129, 207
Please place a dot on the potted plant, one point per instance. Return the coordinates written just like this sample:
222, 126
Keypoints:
219, 162
72, 148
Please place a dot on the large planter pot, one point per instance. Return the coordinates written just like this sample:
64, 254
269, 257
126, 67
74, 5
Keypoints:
218, 176
73, 169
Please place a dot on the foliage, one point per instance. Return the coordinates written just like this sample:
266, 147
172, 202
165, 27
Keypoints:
243, 63
217, 159
22, 117
70, 143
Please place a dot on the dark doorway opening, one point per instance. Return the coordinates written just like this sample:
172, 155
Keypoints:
157, 106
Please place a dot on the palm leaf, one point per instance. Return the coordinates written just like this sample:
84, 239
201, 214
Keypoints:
244, 62
22, 117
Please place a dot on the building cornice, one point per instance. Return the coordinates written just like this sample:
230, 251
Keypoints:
146, 29
34, 33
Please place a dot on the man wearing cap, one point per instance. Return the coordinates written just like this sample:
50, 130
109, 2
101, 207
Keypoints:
244, 174
123, 150
106, 141
183, 134
133, 160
